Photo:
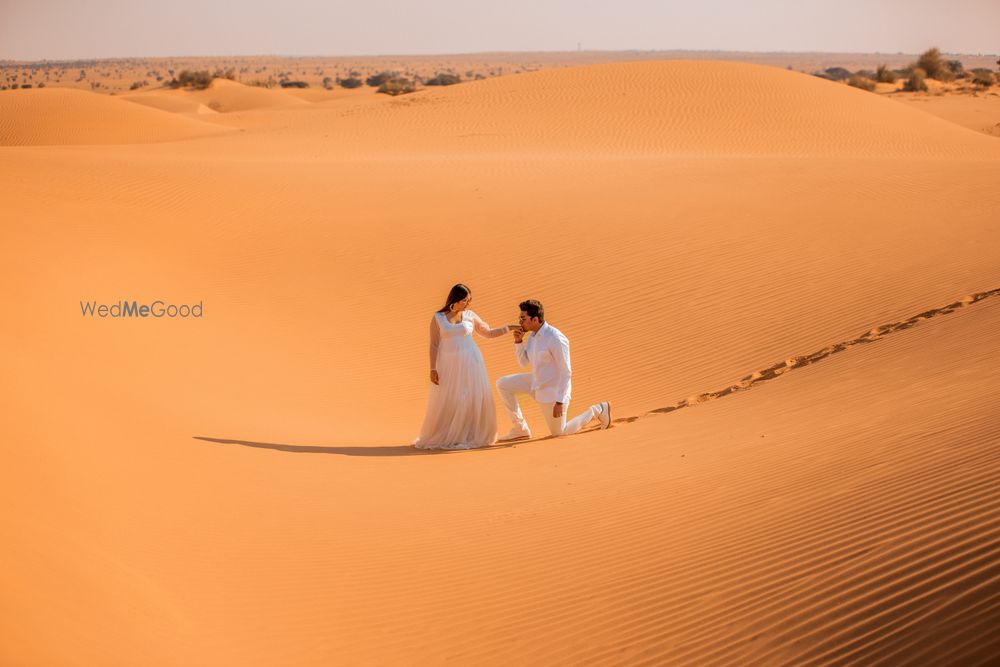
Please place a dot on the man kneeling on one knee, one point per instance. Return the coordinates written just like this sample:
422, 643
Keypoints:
546, 350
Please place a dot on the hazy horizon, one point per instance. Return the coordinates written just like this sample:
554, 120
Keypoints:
61, 30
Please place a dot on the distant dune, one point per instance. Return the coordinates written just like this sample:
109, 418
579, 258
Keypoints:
225, 96
785, 286
61, 116
685, 107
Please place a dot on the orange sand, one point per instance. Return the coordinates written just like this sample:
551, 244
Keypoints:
239, 489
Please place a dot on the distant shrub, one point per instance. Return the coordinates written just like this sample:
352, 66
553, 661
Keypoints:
15, 86
138, 84
864, 83
835, 74
443, 79
983, 79
916, 83
351, 82
328, 83
933, 65
263, 83
376, 80
294, 84
199, 80
865, 74
25, 86
41, 85
956, 69
228, 73
397, 86
885, 75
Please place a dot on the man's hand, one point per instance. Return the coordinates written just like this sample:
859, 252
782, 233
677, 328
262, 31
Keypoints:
434, 377
557, 410
518, 334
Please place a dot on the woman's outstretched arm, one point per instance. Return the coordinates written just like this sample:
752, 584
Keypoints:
484, 330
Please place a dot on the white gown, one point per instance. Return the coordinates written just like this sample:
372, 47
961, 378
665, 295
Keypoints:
461, 413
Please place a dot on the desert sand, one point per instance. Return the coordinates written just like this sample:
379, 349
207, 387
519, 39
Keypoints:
787, 287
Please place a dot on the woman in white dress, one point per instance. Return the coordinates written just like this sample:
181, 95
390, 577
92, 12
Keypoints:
461, 413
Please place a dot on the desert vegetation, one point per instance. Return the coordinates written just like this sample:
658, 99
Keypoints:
835, 74
377, 80
934, 66
443, 79
982, 77
197, 80
931, 64
397, 86
862, 82
916, 82
885, 75
269, 82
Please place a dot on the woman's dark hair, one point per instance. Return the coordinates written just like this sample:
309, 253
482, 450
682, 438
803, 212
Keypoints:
457, 293
533, 308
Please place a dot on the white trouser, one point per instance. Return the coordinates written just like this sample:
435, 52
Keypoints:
520, 383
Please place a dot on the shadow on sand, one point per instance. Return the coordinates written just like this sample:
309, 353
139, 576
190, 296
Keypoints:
374, 450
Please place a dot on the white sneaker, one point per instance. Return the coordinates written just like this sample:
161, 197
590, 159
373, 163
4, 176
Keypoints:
516, 433
604, 416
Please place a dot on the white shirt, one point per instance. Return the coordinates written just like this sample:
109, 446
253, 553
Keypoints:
547, 350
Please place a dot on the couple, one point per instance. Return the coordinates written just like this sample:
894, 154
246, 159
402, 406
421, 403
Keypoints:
460, 410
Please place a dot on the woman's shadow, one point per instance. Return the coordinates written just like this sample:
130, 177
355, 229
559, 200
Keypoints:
391, 450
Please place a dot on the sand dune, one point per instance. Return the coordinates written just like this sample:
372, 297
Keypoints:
805, 270
63, 116
695, 108
225, 96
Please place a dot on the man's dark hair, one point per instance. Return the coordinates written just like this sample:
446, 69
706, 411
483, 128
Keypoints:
534, 308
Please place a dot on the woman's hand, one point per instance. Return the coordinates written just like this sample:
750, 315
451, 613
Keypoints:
434, 377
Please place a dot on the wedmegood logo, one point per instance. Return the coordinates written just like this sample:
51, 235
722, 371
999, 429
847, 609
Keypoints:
133, 308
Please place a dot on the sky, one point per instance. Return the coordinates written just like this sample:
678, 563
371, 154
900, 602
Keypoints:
80, 29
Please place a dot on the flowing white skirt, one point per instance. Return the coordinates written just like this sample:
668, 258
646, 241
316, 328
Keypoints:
461, 413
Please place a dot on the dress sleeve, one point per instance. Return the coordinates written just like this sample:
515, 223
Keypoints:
435, 341
484, 330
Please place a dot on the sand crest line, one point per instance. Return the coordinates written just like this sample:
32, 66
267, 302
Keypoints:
783, 367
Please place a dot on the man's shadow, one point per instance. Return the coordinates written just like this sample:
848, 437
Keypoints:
390, 450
